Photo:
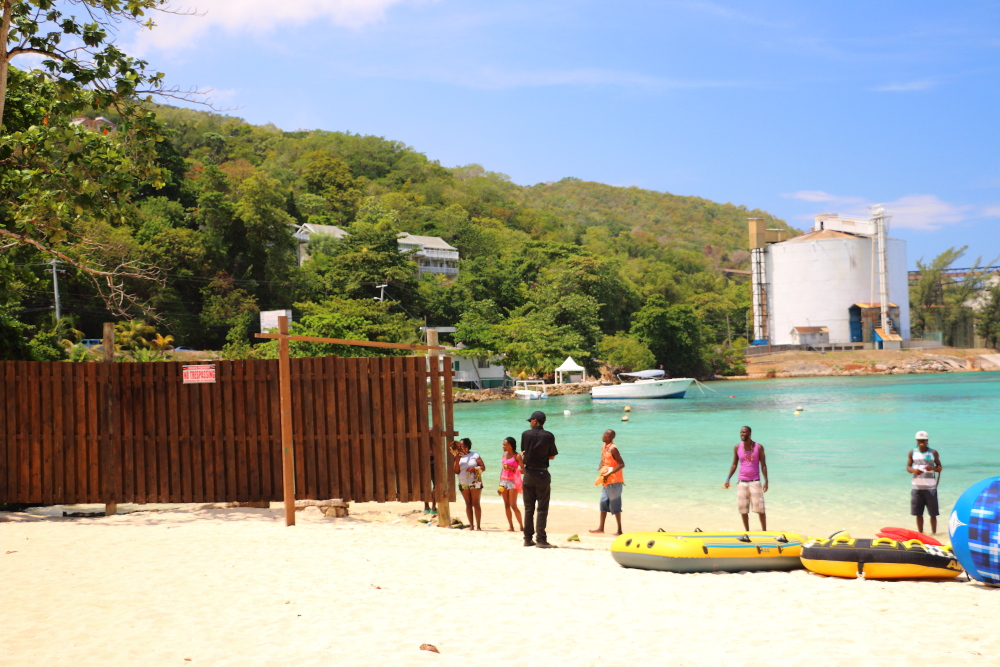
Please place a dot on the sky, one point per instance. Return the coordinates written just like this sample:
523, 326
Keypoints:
793, 107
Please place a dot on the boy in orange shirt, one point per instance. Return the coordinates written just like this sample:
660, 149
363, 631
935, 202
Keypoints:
611, 479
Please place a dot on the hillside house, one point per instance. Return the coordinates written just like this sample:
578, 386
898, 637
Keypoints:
431, 253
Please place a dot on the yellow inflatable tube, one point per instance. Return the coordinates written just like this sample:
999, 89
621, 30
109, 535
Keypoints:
881, 558
709, 552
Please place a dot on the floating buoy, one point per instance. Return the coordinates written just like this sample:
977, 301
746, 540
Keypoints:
566, 413
624, 418
797, 413
628, 408
798, 409
731, 396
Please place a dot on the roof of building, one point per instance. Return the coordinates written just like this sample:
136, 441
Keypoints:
331, 230
433, 242
822, 235
803, 330
885, 336
570, 366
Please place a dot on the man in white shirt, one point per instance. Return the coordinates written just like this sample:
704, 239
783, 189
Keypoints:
925, 466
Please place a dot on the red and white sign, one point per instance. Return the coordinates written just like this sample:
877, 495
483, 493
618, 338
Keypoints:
200, 373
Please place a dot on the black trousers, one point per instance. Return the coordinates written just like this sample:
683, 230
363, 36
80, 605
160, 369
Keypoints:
535, 488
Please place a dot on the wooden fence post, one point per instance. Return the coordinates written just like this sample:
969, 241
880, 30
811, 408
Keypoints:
444, 473
108, 458
285, 390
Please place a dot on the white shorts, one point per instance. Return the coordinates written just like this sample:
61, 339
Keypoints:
750, 496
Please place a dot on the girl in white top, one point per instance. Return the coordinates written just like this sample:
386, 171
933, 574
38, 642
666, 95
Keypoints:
470, 467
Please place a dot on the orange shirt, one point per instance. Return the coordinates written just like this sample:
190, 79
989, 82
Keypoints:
608, 461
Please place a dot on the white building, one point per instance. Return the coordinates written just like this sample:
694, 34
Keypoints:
478, 373
834, 278
432, 254
810, 335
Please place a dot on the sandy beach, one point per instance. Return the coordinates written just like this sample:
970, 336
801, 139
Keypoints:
234, 586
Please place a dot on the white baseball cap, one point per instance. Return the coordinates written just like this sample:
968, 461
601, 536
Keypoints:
922, 435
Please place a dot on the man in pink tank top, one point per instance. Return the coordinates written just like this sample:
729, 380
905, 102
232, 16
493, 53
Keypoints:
749, 457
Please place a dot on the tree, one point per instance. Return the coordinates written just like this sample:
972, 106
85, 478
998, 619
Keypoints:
63, 187
78, 52
346, 319
531, 343
625, 354
673, 334
988, 317
133, 334
351, 267
331, 179
227, 305
941, 302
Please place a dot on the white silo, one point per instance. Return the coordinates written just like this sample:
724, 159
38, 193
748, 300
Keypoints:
827, 278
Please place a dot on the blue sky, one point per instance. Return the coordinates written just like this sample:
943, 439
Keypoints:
794, 107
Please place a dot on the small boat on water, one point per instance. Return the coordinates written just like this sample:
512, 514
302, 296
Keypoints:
647, 384
530, 390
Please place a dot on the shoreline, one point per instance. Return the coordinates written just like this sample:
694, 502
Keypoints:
799, 363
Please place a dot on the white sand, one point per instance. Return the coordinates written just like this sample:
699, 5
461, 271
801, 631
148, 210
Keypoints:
236, 587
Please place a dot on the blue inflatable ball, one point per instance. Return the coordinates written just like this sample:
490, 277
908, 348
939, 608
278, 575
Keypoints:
974, 528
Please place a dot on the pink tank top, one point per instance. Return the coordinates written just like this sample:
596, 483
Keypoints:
749, 465
509, 469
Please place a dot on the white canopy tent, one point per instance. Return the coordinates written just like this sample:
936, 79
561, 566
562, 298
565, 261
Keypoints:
570, 368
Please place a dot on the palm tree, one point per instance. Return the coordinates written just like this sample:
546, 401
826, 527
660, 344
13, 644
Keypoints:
146, 355
131, 334
65, 330
161, 342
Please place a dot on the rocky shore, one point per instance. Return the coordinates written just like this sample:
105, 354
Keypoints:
870, 362
480, 395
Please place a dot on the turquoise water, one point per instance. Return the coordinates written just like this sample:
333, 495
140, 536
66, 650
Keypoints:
839, 463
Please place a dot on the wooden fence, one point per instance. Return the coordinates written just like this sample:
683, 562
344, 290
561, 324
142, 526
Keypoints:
134, 432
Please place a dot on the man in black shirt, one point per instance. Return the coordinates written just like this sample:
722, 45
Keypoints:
538, 447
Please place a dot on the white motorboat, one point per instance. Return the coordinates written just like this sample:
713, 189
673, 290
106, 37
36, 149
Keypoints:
647, 384
530, 390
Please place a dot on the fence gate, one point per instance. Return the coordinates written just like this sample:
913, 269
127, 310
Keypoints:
136, 433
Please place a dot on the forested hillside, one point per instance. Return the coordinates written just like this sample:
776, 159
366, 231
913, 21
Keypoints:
628, 276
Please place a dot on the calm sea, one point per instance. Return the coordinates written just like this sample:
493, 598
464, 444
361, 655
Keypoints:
839, 464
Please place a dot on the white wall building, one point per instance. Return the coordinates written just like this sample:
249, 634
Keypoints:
810, 335
477, 372
433, 254
814, 280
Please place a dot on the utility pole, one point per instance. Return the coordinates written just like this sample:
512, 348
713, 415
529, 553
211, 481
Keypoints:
381, 296
55, 286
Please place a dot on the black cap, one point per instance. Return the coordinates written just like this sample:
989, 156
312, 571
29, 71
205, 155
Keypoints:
539, 415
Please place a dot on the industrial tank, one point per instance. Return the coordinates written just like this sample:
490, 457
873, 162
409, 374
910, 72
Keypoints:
813, 280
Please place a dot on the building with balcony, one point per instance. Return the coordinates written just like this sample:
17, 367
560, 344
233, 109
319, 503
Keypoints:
431, 253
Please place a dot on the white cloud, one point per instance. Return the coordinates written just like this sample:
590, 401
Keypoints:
818, 196
918, 211
255, 17
910, 87
927, 212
